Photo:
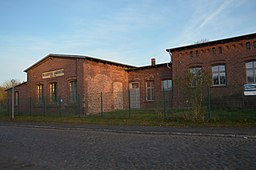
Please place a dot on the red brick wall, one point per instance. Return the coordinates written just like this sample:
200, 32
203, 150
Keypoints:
22, 105
110, 80
156, 74
72, 71
234, 56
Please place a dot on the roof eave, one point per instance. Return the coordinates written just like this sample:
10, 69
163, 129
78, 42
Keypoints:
220, 41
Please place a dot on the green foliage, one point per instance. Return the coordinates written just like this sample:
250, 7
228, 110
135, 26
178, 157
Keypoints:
195, 92
3, 99
221, 118
3, 94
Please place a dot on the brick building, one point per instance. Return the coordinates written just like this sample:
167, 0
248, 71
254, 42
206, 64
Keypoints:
230, 62
81, 84
71, 84
150, 85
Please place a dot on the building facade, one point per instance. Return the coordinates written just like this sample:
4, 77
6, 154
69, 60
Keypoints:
71, 84
74, 84
151, 86
230, 63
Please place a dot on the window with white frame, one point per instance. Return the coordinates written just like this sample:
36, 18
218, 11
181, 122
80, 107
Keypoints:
166, 85
196, 75
219, 75
150, 94
251, 72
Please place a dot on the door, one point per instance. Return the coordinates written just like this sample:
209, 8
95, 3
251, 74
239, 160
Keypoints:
134, 95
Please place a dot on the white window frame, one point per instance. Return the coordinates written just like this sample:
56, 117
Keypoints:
150, 93
251, 69
219, 73
196, 72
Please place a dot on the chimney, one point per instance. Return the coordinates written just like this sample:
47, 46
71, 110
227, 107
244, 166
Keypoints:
153, 61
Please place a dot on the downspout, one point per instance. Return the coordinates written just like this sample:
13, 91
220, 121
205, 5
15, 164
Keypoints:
170, 53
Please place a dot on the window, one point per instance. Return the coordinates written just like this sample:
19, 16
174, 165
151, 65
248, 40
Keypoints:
73, 91
219, 75
196, 53
191, 54
53, 92
251, 72
196, 75
150, 96
16, 97
248, 45
167, 85
40, 93
213, 51
254, 44
220, 50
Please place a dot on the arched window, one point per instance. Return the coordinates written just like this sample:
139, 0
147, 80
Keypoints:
53, 92
73, 91
250, 72
219, 75
196, 75
40, 93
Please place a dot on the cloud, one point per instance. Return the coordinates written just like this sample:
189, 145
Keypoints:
203, 18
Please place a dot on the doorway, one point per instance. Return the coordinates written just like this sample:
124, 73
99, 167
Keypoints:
134, 95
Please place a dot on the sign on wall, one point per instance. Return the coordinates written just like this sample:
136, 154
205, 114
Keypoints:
51, 74
250, 89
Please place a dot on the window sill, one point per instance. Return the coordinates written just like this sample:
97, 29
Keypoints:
214, 86
150, 101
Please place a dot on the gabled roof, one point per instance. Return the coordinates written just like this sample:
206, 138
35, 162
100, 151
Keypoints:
216, 42
76, 57
23, 83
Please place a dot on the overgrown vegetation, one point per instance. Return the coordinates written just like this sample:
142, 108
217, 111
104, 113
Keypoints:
194, 88
3, 94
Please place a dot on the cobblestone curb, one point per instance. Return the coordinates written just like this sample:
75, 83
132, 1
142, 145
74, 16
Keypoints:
150, 131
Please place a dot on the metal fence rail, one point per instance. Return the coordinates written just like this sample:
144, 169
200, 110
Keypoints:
216, 100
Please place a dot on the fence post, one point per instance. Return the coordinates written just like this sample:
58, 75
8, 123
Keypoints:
101, 104
44, 102
79, 106
164, 102
60, 101
30, 106
209, 102
129, 102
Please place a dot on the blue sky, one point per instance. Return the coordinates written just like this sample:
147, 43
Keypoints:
125, 31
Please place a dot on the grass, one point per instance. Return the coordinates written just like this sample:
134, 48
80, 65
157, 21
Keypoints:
221, 118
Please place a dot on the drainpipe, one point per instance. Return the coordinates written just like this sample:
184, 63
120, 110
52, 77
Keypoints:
170, 53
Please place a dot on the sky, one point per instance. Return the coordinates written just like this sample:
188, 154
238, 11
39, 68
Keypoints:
125, 31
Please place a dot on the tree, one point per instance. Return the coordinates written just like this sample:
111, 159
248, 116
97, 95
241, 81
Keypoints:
3, 99
8, 84
194, 88
3, 94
